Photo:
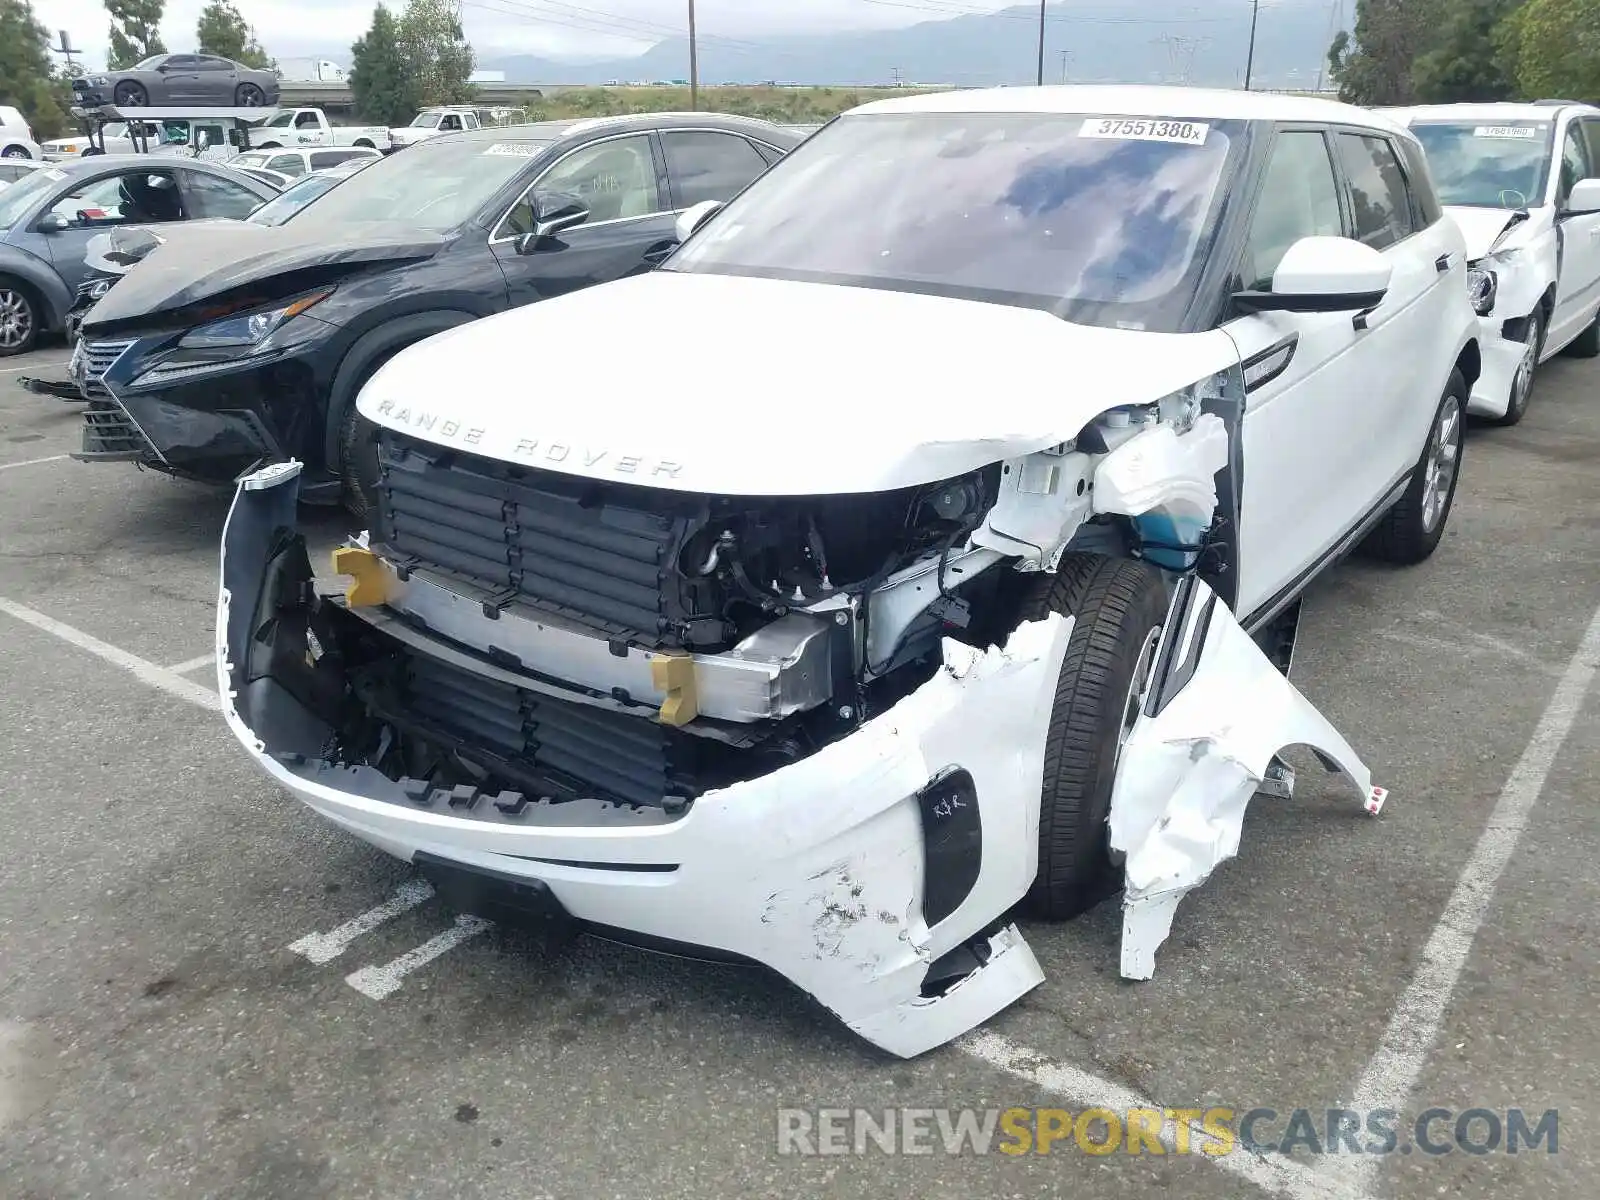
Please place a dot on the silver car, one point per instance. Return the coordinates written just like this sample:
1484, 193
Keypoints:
179, 79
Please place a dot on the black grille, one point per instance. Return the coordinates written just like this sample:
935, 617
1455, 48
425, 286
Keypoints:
564, 546
580, 751
98, 357
109, 433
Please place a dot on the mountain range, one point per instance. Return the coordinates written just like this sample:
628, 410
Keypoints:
1144, 41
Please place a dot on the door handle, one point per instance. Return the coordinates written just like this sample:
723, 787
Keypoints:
1442, 263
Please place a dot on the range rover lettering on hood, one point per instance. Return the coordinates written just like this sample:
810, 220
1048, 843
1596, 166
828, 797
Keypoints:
593, 459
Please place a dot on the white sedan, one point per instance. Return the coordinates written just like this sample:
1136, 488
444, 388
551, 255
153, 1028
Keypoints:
827, 660
1523, 182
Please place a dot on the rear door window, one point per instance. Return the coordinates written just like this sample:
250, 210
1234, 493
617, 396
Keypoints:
1380, 200
706, 165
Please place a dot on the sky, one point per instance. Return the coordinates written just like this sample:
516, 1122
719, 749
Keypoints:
557, 28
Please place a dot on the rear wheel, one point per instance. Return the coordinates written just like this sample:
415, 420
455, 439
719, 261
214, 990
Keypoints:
1410, 531
19, 318
1587, 343
15, 152
1119, 606
1522, 381
130, 95
248, 95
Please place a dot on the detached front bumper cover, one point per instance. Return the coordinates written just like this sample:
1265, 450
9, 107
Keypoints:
874, 874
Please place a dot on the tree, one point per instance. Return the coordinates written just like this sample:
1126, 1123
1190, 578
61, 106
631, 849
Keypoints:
135, 31
222, 31
436, 51
27, 77
1468, 62
1373, 64
1556, 48
381, 82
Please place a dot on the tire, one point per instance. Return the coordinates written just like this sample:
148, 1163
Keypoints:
15, 152
130, 95
248, 95
1410, 531
1587, 343
1522, 384
1119, 606
358, 465
19, 317
364, 144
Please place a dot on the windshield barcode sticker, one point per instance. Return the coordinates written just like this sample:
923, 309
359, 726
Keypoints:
1505, 131
1145, 129
515, 149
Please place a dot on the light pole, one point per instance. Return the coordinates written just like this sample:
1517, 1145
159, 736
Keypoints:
694, 65
1250, 58
1041, 42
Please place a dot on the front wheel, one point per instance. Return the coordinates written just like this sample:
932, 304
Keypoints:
358, 465
1410, 531
15, 152
1522, 381
1119, 607
19, 319
130, 95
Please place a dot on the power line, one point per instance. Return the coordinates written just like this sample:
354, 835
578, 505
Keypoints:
947, 9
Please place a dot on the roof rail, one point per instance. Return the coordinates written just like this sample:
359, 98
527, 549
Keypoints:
1556, 103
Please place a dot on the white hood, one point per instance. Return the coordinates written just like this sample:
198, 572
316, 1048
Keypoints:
715, 383
1481, 226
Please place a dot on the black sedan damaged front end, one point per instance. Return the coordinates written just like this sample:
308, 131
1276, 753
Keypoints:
210, 391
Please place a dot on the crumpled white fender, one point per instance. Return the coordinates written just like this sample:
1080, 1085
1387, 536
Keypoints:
1216, 713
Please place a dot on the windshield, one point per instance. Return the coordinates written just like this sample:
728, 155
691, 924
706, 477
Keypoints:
21, 196
1477, 165
252, 158
1104, 221
437, 185
292, 199
148, 64
425, 120
282, 121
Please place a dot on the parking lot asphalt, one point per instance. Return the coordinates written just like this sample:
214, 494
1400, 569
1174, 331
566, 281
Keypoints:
159, 1037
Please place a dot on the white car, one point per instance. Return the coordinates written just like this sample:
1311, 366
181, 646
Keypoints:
431, 122
293, 163
16, 138
1523, 183
827, 660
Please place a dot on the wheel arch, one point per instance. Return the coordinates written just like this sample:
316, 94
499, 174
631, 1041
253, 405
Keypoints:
1469, 361
368, 350
44, 285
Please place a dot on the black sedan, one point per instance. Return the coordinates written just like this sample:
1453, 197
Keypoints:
244, 344
201, 79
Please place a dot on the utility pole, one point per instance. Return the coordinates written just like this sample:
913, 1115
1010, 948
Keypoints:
1065, 54
1250, 59
694, 65
1041, 43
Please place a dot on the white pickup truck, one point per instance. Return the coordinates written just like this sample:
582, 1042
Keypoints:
296, 127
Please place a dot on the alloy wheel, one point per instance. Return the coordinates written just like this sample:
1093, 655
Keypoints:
1522, 381
16, 319
1444, 453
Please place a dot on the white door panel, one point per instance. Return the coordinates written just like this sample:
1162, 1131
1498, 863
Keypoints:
1578, 285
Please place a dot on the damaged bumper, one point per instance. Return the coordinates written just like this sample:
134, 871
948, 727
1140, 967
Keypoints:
872, 874
1502, 358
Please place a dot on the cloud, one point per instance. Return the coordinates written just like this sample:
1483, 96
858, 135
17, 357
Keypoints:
561, 28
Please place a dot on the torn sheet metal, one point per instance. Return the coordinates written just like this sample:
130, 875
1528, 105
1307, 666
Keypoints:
1216, 714
817, 870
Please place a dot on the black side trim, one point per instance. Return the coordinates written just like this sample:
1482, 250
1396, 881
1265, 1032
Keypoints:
1263, 363
952, 840
1340, 549
1253, 301
1172, 677
641, 868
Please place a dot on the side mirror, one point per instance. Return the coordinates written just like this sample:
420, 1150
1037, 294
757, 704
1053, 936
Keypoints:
695, 216
53, 223
552, 215
1323, 275
1584, 198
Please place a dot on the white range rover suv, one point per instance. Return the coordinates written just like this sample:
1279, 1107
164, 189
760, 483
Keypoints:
1523, 183
923, 540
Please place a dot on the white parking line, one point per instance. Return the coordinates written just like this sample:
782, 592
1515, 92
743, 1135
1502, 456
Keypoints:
1393, 1072
193, 664
49, 366
1279, 1176
325, 947
31, 462
380, 982
141, 669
